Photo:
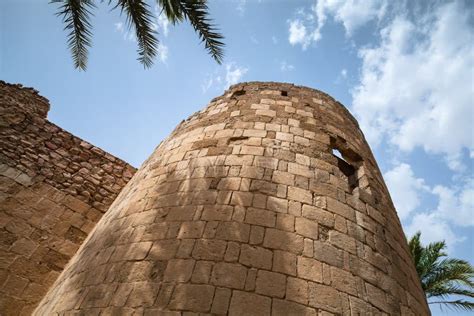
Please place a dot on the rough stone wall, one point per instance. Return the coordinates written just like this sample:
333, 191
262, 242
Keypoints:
54, 187
244, 210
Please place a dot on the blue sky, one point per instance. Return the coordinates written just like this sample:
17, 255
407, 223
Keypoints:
403, 68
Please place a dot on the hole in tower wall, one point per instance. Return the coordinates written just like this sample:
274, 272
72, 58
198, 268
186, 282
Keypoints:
238, 93
348, 161
284, 93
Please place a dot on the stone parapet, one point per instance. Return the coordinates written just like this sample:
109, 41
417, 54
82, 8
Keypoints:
246, 209
54, 187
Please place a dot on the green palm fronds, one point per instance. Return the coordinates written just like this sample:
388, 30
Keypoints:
442, 277
76, 16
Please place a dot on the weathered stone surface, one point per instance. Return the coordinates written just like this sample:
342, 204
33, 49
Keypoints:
54, 188
243, 210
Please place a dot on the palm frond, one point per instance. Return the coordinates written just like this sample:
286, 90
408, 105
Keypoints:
141, 19
442, 278
197, 13
76, 15
172, 10
456, 304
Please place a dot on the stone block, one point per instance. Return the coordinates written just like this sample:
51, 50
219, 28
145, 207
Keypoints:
243, 303
300, 195
309, 269
230, 275
260, 217
284, 262
179, 270
306, 227
297, 290
271, 283
233, 231
207, 249
220, 304
277, 204
193, 229
280, 240
256, 257
197, 298
285, 308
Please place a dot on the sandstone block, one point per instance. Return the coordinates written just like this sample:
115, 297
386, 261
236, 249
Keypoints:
220, 304
306, 227
179, 270
284, 262
230, 275
300, 195
271, 283
233, 231
256, 257
310, 269
297, 290
277, 204
277, 239
243, 303
192, 297
260, 217
207, 249
285, 308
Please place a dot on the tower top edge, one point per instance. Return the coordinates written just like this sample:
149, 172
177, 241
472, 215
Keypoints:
274, 85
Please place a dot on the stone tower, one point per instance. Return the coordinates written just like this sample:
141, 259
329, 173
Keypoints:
246, 209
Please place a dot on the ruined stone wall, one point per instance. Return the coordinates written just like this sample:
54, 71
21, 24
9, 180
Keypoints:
54, 187
245, 210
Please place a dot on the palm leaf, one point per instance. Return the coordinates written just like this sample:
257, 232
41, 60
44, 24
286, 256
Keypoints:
172, 10
442, 278
197, 11
76, 15
140, 18
456, 305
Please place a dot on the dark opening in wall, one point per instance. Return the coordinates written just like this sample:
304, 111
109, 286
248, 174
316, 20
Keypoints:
238, 93
348, 161
284, 93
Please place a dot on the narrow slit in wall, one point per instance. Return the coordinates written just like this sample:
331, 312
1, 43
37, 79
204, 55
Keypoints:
348, 162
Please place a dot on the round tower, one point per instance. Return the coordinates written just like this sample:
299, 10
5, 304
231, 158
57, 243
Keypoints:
268, 201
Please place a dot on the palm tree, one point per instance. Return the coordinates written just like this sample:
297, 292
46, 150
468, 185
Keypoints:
76, 17
442, 277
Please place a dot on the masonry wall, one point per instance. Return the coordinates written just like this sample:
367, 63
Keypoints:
245, 210
54, 187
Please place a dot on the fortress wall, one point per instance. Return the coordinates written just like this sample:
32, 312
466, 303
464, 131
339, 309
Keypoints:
54, 187
245, 210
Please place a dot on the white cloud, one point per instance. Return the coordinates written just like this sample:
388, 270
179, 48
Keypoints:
284, 66
353, 14
456, 205
162, 52
162, 24
127, 35
433, 229
223, 77
405, 189
274, 40
241, 6
299, 34
344, 73
233, 74
416, 86
119, 26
